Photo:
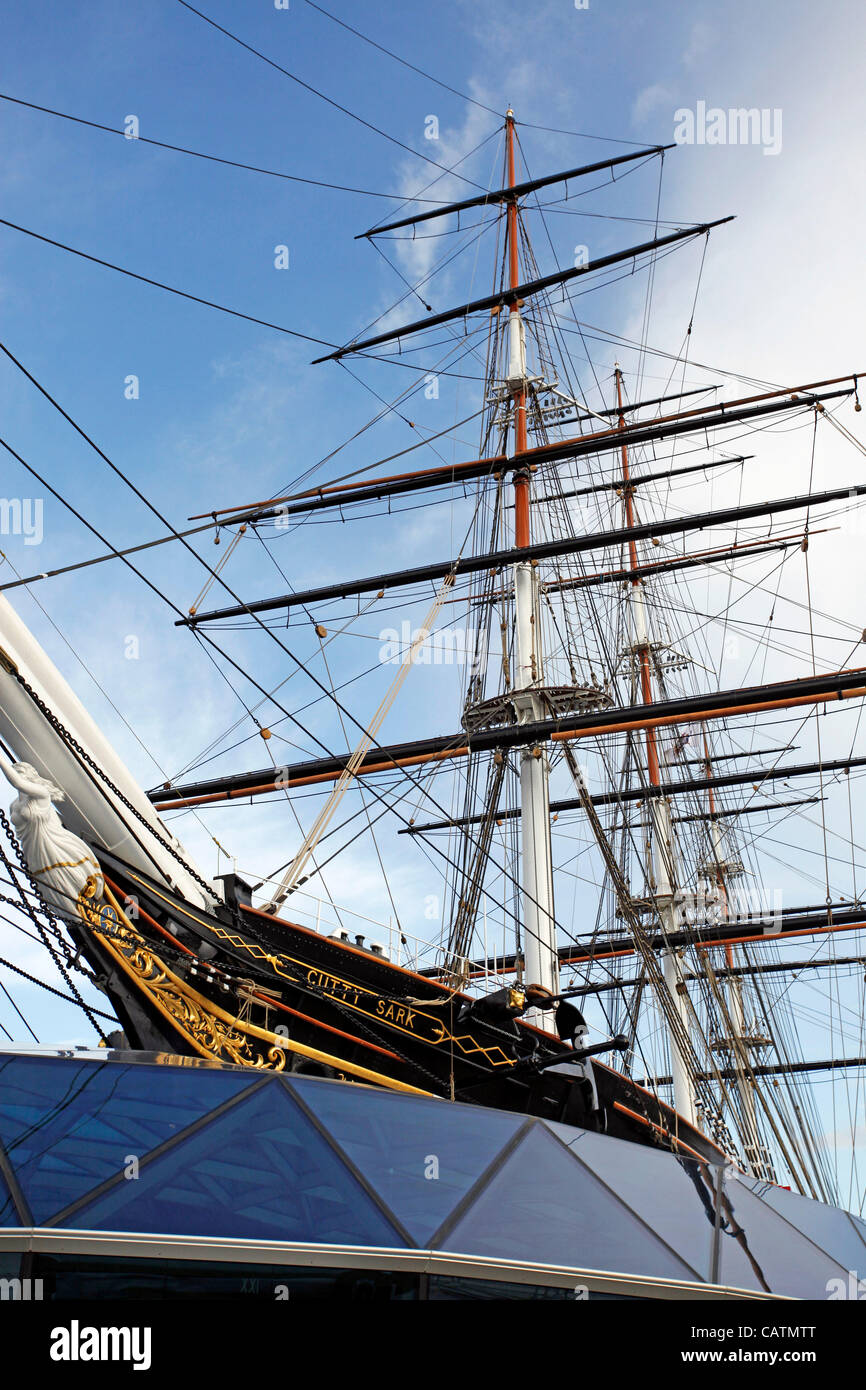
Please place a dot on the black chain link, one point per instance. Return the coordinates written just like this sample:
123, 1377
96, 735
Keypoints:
73, 961
39, 925
76, 747
35, 980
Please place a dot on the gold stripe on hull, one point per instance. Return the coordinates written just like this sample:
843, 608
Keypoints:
210, 1030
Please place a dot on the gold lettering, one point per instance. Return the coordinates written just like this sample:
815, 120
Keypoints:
399, 1015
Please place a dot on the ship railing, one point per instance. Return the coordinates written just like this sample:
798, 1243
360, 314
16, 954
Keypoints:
389, 940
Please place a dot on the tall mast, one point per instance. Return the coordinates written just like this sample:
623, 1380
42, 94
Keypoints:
539, 925
738, 1044
660, 862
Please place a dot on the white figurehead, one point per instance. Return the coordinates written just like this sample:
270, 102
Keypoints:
59, 861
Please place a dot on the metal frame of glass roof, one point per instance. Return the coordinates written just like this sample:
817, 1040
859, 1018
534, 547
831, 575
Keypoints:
121, 1157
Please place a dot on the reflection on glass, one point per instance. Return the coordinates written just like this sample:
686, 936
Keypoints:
8, 1213
68, 1125
673, 1196
833, 1230
758, 1249
421, 1156
544, 1207
259, 1170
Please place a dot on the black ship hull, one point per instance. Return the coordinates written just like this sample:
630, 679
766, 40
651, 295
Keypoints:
237, 985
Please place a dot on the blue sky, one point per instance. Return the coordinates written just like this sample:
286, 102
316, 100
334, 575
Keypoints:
229, 411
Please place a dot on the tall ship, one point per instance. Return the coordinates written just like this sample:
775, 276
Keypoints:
646, 707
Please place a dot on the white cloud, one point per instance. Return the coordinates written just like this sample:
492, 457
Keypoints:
699, 44
416, 256
648, 101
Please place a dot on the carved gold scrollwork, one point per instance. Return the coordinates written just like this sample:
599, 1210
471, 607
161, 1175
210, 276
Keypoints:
210, 1031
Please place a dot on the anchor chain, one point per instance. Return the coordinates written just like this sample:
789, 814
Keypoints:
46, 909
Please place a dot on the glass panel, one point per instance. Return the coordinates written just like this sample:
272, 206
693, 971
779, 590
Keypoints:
757, 1251
260, 1170
761, 1251
421, 1156
95, 1277
832, 1229
673, 1196
861, 1227
545, 1207
68, 1125
8, 1213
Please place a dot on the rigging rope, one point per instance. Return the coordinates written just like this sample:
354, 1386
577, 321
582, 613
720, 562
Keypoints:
37, 922
347, 776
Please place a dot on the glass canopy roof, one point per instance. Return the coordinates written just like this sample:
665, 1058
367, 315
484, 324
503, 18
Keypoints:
161, 1147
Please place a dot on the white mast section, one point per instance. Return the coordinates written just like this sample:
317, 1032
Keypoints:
541, 958
540, 945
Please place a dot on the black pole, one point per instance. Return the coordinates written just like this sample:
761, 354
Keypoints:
517, 190
510, 296
641, 432
759, 1069
535, 732
698, 784
541, 550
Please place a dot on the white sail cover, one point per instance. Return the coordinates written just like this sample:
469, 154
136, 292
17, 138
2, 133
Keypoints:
90, 810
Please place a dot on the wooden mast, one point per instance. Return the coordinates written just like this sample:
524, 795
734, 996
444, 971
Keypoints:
737, 1042
539, 923
661, 865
